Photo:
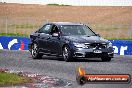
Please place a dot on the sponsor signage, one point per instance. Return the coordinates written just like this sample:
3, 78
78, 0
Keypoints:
14, 43
121, 47
82, 77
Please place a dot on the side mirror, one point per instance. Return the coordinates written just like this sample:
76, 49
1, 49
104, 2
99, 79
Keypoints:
98, 35
55, 35
36, 31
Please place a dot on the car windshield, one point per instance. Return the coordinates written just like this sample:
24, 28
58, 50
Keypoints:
76, 30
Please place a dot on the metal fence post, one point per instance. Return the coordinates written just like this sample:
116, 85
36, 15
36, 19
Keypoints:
130, 29
6, 25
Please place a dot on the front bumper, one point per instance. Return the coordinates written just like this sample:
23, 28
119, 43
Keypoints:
89, 53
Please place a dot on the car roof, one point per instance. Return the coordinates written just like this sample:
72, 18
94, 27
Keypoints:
66, 23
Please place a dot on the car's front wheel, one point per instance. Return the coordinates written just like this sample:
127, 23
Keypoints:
67, 55
35, 52
106, 59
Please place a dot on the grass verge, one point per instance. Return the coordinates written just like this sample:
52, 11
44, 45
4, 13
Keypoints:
10, 79
54, 4
13, 35
119, 39
24, 35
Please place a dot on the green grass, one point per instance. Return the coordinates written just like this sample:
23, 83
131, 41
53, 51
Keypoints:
10, 79
54, 4
0, 51
23, 26
24, 35
13, 35
20, 26
118, 38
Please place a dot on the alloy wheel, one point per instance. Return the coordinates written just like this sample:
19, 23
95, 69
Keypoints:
34, 50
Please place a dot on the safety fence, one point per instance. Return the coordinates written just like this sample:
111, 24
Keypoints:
121, 47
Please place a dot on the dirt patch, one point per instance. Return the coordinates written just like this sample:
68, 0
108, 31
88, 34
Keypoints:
89, 14
20, 18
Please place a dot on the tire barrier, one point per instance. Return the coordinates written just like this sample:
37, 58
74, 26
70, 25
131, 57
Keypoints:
121, 47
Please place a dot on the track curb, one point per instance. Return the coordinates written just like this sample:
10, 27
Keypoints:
40, 81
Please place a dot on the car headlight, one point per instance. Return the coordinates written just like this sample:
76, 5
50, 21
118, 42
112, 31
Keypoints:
109, 45
80, 45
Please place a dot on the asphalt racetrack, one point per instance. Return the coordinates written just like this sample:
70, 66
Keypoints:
52, 66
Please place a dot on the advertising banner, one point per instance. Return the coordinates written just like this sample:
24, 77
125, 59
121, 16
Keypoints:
14, 43
121, 47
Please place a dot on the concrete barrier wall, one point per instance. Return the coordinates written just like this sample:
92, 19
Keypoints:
121, 47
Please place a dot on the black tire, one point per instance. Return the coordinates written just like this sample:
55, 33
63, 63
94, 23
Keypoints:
35, 52
67, 55
106, 59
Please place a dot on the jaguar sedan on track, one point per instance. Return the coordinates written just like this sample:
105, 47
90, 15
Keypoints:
69, 40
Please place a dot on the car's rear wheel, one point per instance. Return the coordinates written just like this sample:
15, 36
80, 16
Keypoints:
67, 55
35, 52
106, 59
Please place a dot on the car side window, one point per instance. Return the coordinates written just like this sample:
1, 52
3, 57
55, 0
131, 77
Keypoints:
54, 29
45, 29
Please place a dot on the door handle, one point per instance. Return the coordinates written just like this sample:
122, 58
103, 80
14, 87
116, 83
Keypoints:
48, 38
38, 35
42, 37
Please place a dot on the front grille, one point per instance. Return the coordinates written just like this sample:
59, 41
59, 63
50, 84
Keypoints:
91, 55
96, 45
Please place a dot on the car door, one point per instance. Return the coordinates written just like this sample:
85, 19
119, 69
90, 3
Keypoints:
43, 37
54, 43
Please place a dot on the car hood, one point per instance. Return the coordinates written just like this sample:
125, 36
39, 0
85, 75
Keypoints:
86, 39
